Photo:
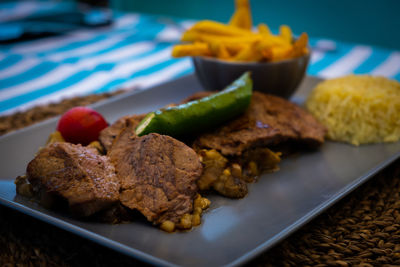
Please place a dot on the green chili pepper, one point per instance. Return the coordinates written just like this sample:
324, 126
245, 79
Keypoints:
202, 114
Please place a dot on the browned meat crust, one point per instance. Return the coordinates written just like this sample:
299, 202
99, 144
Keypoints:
108, 135
78, 174
158, 175
268, 121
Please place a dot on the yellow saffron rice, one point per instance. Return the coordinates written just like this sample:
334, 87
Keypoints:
358, 109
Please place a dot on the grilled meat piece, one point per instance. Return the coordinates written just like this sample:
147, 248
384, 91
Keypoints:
268, 121
77, 174
158, 174
108, 134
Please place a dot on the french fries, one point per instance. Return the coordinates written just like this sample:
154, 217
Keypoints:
196, 49
220, 50
264, 29
285, 33
237, 42
242, 16
216, 28
300, 46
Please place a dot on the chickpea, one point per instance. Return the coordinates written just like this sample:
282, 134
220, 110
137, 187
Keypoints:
227, 172
97, 145
186, 221
205, 203
197, 210
197, 201
236, 170
168, 226
213, 154
55, 137
23, 187
253, 168
196, 219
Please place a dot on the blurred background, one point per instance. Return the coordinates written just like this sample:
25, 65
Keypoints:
360, 21
364, 22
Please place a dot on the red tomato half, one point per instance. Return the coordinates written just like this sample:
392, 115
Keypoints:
81, 125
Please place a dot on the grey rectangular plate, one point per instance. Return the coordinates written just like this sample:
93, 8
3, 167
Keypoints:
232, 231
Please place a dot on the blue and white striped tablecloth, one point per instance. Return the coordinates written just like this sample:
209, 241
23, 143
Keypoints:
134, 51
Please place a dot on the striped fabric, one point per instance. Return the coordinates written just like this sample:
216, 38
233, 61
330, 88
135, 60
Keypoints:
134, 51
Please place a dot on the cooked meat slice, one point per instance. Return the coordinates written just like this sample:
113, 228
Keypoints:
268, 121
108, 135
78, 174
158, 174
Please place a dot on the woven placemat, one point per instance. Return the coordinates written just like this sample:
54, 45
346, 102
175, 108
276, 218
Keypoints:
363, 229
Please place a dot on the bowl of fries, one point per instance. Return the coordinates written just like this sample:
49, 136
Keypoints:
222, 52
279, 78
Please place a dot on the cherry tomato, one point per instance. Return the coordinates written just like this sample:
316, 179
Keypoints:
81, 125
